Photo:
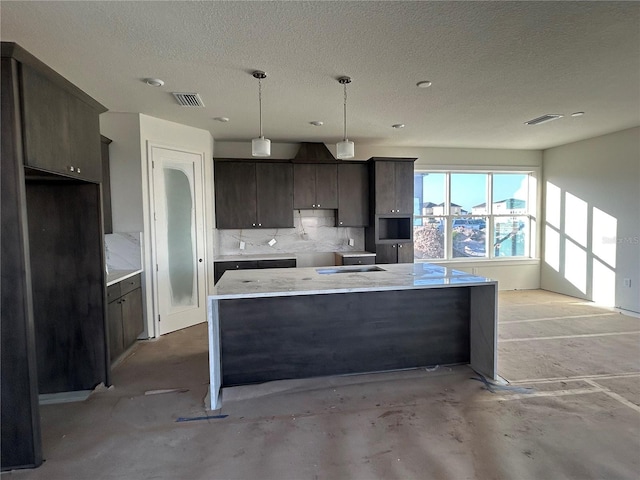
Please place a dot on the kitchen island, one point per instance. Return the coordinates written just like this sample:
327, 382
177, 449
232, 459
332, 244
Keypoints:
289, 323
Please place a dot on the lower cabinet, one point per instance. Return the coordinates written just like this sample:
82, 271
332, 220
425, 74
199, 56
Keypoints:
220, 267
394, 253
124, 312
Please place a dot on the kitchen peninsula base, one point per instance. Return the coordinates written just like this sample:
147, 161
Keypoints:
296, 323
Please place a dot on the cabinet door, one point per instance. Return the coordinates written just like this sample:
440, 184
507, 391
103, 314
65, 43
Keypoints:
386, 253
132, 321
114, 317
46, 123
274, 195
84, 140
404, 187
235, 191
353, 195
405, 253
327, 186
304, 185
385, 187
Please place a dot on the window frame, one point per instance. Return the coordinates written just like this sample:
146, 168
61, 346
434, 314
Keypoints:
533, 207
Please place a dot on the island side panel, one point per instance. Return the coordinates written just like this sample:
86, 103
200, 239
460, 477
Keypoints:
271, 338
215, 378
484, 331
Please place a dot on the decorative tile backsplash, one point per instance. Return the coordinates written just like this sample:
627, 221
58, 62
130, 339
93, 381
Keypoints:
314, 231
123, 251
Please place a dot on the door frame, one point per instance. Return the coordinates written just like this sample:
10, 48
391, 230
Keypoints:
150, 266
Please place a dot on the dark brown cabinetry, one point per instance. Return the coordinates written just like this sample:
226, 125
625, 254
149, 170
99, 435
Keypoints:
221, 267
353, 195
253, 195
106, 185
394, 253
61, 130
346, 259
390, 234
393, 185
125, 317
315, 186
53, 336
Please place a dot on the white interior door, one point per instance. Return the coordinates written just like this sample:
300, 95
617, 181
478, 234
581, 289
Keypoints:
179, 239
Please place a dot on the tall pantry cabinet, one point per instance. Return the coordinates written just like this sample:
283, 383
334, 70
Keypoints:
53, 336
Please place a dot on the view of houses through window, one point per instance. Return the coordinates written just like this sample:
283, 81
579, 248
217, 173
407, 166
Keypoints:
474, 215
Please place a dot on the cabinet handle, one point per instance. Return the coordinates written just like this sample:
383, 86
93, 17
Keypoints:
253, 224
399, 246
78, 169
259, 224
394, 246
314, 205
359, 261
318, 205
340, 223
71, 168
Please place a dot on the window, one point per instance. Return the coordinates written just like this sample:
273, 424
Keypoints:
473, 215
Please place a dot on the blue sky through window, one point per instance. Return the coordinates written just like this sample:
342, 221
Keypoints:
469, 189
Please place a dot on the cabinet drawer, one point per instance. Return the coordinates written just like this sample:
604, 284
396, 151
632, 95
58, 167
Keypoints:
220, 267
283, 263
130, 284
368, 260
113, 292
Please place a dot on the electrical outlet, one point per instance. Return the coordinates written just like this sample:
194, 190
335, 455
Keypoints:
242, 245
627, 282
272, 242
351, 242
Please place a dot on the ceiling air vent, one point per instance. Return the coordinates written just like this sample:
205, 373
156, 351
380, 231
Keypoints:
189, 99
544, 118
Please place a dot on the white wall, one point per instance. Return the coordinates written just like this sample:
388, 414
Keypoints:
511, 274
591, 233
132, 134
126, 172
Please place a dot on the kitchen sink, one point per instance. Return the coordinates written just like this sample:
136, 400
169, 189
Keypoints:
366, 268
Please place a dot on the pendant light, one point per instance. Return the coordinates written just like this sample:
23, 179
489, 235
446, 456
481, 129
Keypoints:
260, 147
345, 148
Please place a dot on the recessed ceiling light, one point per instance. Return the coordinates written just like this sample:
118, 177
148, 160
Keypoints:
154, 82
423, 84
398, 125
222, 119
317, 123
577, 114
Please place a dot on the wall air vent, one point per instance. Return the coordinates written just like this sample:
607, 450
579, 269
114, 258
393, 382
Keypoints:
544, 119
189, 99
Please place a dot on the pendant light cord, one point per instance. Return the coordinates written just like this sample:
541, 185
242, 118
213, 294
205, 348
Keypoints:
260, 103
345, 111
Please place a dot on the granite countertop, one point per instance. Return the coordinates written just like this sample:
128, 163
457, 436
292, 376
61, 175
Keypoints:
274, 282
116, 276
355, 254
256, 256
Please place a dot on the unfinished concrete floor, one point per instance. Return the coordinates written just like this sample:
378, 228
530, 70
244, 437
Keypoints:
572, 410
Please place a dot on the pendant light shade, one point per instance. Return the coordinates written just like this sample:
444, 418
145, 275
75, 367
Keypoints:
345, 149
260, 147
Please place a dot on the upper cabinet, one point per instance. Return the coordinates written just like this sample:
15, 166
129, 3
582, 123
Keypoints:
393, 185
315, 186
353, 195
253, 194
61, 129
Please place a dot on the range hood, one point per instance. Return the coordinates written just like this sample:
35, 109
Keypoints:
312, 152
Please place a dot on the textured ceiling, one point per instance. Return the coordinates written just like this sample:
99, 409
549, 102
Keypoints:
493, 65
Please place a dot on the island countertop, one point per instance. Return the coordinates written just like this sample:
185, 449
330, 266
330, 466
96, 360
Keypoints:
311, 281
